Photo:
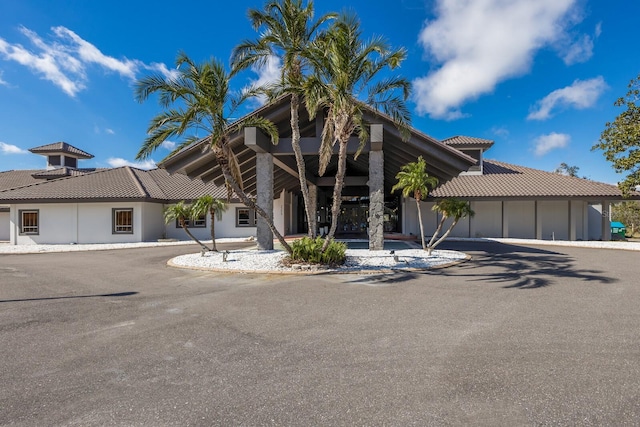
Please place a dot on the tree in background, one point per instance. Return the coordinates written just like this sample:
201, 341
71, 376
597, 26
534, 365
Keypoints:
414, 181
214, 207
627, 213
183, 213
620, 141
199, 98
344, 66
565, 169
287, 32
448, 208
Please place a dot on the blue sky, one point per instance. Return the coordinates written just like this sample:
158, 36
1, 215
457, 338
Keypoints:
537, 77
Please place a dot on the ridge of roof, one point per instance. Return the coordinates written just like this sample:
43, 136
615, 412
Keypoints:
63, 147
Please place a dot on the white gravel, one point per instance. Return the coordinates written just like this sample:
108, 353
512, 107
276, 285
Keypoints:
361, 260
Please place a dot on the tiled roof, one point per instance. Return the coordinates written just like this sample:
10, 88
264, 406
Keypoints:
461, 141
504, 180
17, 178
61, 172
124, 183
61, 147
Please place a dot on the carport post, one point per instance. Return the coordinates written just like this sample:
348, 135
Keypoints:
376, 190
264, 199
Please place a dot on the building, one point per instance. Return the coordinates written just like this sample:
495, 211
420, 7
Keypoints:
67, 204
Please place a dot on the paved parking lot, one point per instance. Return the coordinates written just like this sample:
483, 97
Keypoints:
520, 335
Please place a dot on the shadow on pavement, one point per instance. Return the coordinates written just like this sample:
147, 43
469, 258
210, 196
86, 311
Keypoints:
119, 294
519, 267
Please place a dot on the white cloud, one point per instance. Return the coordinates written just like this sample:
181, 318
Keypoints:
11, 149
168, 145
2, 81
268, 74
500, 131
110, 131
581, 94
545, 143
64, 60
580, 49
116, 162
481, 43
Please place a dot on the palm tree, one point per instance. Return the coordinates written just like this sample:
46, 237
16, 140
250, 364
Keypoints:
182, 212
287, 31
414, 181
214, 207
201, 92
344, 65
448, 208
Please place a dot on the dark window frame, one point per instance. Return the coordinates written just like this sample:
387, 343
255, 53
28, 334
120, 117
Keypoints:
201, 222
115, 225
252, 218
21, 225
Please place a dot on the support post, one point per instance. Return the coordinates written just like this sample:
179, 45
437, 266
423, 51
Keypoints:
606, 223
505, 220
376, 190
538, 220
264, 188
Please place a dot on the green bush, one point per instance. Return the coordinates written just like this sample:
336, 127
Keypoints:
309, 250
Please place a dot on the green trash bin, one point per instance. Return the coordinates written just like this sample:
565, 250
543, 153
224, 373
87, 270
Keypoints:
618, 231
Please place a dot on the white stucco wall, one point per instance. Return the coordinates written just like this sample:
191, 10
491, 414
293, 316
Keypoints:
487, 221
152, 221
4, 226
554, 219
594, 218
520, 219
65, 223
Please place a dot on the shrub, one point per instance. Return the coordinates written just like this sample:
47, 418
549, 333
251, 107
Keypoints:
310, 250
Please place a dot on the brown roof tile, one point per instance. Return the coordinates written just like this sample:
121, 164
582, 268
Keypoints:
461, 141
124, 183
61, 147
504, 180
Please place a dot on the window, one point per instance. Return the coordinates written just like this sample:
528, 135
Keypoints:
54, 160
201, 222
246, 217
29, 221
71, 162
123, 221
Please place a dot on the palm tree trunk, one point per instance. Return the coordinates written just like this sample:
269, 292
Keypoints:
186, 230
444, 236
302, 170
213, 230
435, 233
424, 247
226, 171
337, 192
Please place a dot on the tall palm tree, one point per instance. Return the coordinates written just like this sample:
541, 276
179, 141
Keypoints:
199, 98
287, 32
182, 212
214, 207
414, 181
448, 208
344, 66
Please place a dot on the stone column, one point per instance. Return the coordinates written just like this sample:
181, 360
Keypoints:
264, 188
376, 190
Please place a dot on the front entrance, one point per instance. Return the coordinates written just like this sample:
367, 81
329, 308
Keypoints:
353, 219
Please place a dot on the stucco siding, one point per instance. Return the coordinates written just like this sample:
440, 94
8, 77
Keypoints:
152, 222
487, 221
520, 218
4, 226
95, 223
554, 217
224, 228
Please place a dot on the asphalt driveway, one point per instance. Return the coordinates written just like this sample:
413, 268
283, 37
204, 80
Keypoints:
517, 336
